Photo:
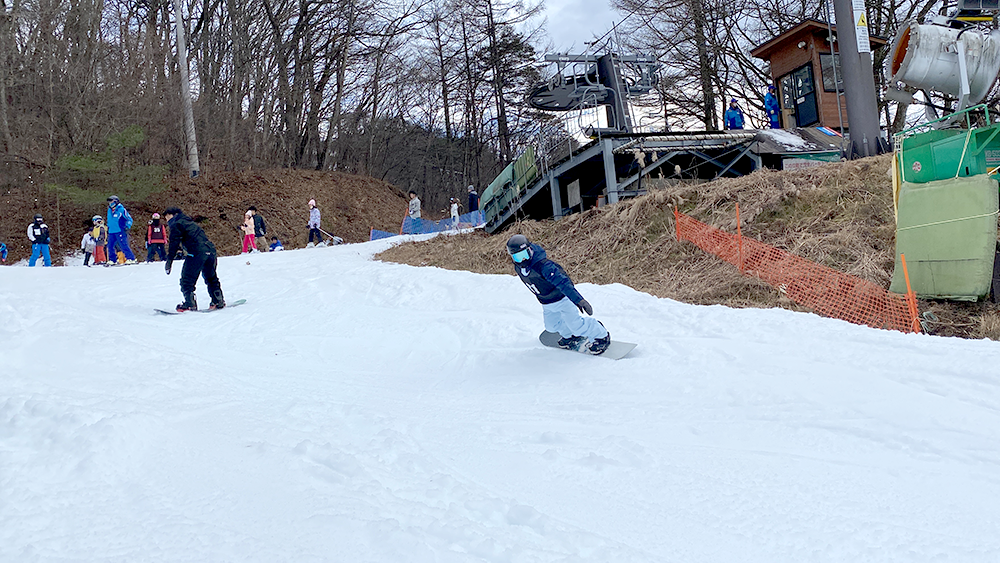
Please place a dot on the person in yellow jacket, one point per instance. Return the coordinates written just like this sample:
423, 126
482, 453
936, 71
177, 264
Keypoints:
100, 235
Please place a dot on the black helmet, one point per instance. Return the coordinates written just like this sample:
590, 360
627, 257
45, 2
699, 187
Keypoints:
519, 248
38, 216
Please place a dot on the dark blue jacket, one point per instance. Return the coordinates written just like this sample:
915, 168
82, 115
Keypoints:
473, 201
772, 108
546, 279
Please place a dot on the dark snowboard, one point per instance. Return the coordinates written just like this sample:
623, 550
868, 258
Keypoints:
616, 351
236, 303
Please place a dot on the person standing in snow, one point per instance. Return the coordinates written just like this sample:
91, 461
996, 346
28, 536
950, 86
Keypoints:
414, 210
772, 108
3, 252
734, 116
100, 235
201, 259
474, 205
249, 240
38, 234
88, 245
454, 213
119, 222
156, 239
314, 224
259, 229
559, 298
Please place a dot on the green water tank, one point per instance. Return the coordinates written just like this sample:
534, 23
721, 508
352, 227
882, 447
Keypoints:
948, 231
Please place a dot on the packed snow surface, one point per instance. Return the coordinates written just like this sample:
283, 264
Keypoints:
355, 411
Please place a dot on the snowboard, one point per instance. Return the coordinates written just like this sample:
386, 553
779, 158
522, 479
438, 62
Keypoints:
236, 303
616, 351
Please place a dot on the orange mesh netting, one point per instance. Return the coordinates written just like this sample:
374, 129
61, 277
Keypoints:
828, 292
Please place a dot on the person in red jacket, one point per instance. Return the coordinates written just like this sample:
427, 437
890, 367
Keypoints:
157, 239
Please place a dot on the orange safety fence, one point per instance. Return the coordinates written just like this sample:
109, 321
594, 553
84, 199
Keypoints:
826, 291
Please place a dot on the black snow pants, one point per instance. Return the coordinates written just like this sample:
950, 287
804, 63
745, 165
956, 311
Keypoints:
203, 263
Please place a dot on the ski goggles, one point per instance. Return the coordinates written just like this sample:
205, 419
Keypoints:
520, 255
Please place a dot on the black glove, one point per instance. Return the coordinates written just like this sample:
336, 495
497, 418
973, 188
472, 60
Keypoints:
167, 268
585, 307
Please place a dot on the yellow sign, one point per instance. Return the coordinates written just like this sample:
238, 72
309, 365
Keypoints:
862, 21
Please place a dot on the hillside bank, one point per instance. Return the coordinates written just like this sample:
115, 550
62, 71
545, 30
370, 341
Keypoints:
839, 215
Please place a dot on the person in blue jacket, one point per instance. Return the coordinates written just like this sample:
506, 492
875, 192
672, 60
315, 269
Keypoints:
772, 108
559, 298
3, 252
38, 234
118, 231
734, 116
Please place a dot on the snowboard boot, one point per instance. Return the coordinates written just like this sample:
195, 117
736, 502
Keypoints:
190, 303
217, 301
599, 345
572, 343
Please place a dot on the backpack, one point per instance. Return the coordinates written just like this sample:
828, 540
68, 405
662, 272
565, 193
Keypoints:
127, 218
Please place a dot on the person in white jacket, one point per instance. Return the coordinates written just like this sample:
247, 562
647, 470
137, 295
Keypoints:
314, 224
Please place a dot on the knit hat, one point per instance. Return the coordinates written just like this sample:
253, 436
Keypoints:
312, 202
156, 215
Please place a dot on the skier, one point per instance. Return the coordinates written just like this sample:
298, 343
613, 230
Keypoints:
100, 236
771, 107
314, 224
38, 233
88, 245
734, 116
559, 298
156, 238
3, 252
249, 240
259, 229
201, 259
119, 222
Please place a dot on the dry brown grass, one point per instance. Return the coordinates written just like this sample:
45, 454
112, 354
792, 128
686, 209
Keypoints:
839, 215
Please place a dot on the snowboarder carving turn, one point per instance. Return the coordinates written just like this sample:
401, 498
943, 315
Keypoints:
201, 259
559, 298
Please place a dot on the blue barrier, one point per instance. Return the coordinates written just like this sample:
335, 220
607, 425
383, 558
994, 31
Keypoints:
425, 226
377, 234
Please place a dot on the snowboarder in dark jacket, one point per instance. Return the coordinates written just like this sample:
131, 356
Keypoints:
559, 298
201, 259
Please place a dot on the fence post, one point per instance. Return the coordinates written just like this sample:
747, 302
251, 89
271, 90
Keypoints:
739, 235
911, 299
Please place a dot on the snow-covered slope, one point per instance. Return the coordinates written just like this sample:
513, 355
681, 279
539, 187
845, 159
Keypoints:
361, 411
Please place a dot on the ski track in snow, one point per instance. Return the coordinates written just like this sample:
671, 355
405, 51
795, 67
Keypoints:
356, 411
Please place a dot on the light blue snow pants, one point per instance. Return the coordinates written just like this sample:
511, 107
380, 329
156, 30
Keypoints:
563, 317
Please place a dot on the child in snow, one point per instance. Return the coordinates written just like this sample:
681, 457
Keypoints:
559, 298
314, 224
119, 222
100, 235
3, 252
88, 245
454, 213
276, 245
414, 209
38, 234
156, 239
249, 240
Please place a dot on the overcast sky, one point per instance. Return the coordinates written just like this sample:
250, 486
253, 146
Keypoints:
571, 23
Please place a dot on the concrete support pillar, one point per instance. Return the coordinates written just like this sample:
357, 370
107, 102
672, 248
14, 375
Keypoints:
557, 206
610, 176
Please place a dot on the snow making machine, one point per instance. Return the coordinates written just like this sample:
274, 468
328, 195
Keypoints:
945, 170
